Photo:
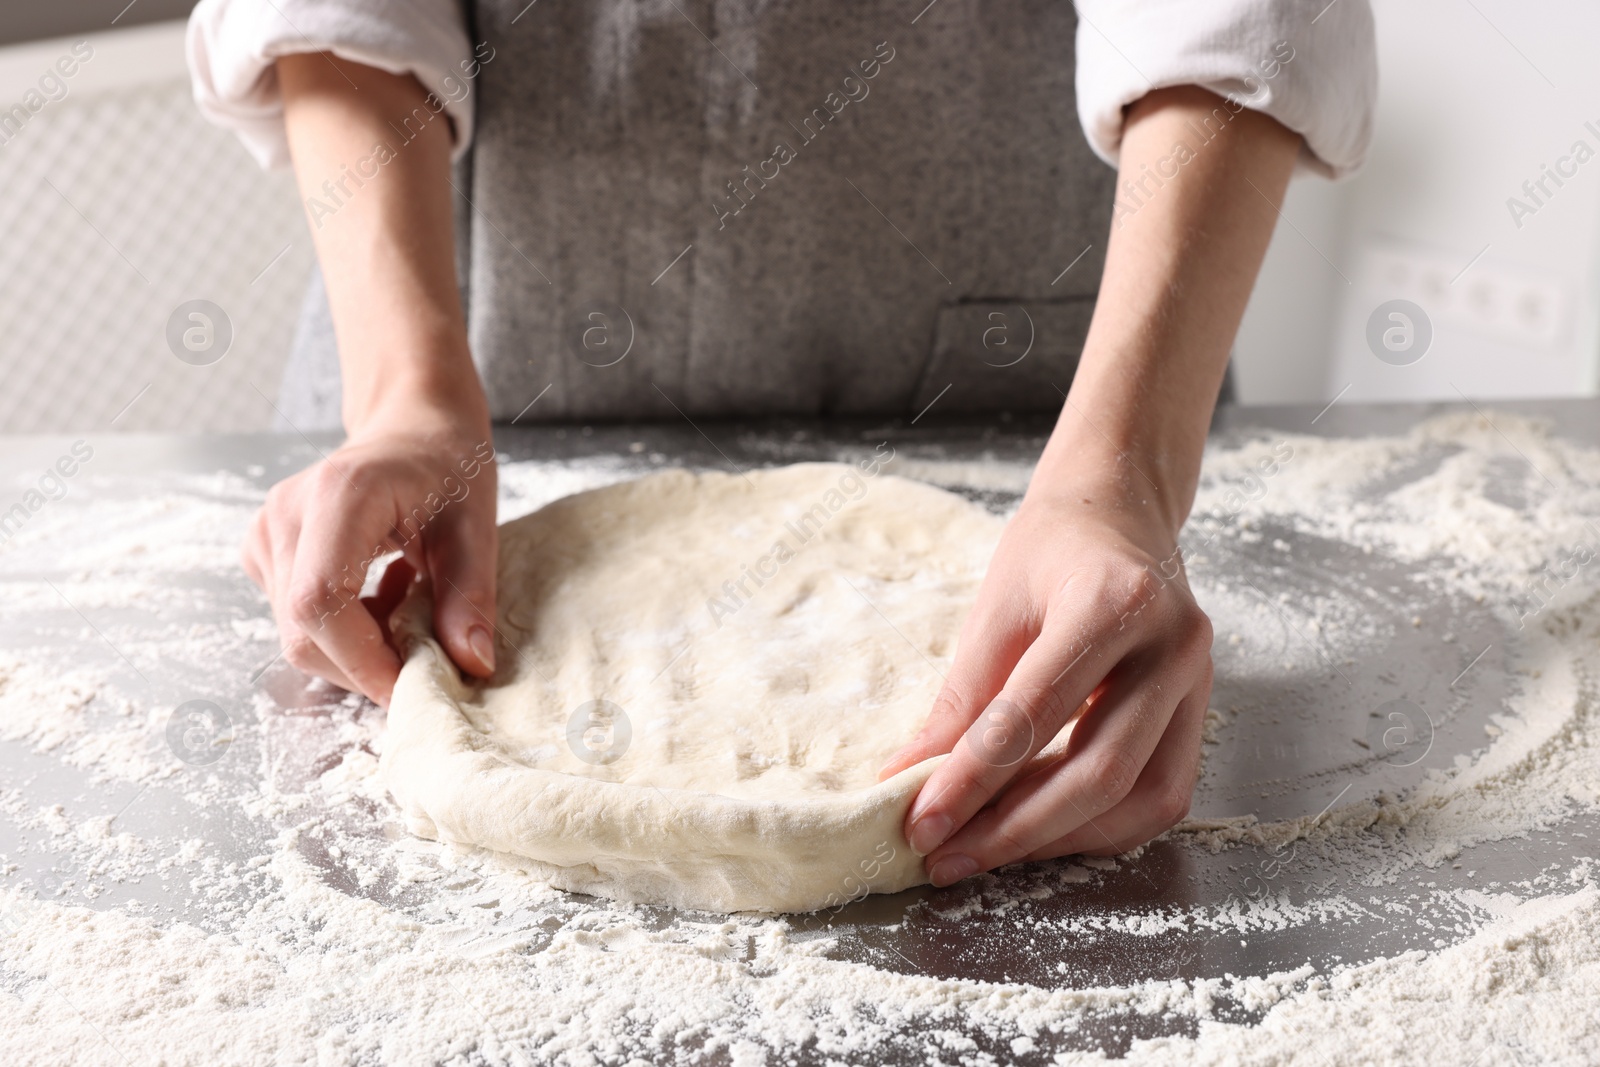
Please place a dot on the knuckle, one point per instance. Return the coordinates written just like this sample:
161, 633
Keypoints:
300, 651
477, 593
949, 704
1126, 589
1201, 622
1006, 846
1002, 735
960, 697
326, 478
307, 607
1045, 704
1190, 634
286, 498
1170, 805
1111, 774
1197, 629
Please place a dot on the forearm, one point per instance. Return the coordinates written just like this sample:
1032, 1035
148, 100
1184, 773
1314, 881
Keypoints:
1182, 258
372, 161
1069, 616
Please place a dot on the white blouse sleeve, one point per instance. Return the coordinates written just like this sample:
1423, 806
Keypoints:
232, 45
1310, 64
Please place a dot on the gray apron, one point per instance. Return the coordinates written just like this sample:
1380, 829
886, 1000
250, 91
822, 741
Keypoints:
767, 207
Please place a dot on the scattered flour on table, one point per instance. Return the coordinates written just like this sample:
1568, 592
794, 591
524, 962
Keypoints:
312, 931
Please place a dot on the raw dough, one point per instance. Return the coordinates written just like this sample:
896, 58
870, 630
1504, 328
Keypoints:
699, 676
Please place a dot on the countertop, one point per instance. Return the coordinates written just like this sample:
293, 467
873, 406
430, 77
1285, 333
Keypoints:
1296, 758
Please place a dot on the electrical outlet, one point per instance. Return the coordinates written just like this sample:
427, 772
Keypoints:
1490, 299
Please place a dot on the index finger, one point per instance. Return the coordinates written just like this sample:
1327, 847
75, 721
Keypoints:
1046, 690
339, 539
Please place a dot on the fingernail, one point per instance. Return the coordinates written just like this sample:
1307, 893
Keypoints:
927, 800
929, 832
952, 869
482, 645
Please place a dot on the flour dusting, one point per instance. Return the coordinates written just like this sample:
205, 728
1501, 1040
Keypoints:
254, 899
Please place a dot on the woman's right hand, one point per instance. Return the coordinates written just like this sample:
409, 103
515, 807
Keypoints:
421, 483
417, 471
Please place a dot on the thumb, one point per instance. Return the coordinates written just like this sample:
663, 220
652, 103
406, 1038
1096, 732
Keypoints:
462, 559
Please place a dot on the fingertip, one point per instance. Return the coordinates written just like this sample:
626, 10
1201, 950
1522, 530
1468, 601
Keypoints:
481, 642
951, 869
942, 790
470, 646
376, 682
464, 621
929, 832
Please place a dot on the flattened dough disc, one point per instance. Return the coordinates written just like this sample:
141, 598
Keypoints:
699, 676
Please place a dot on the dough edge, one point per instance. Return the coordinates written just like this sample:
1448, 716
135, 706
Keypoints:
639, 844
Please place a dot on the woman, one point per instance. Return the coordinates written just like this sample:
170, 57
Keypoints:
635, 209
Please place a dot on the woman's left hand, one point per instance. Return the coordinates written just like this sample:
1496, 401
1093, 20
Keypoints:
1085, 618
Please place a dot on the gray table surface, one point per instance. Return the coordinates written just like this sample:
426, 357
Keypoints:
1289, 751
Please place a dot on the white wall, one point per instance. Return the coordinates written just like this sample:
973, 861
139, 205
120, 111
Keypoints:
1474, 98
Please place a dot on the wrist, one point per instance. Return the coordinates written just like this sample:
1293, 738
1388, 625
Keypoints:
1130, 480
439, 394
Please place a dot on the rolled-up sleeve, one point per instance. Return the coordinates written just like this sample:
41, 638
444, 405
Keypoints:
232, 46
1310, 64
